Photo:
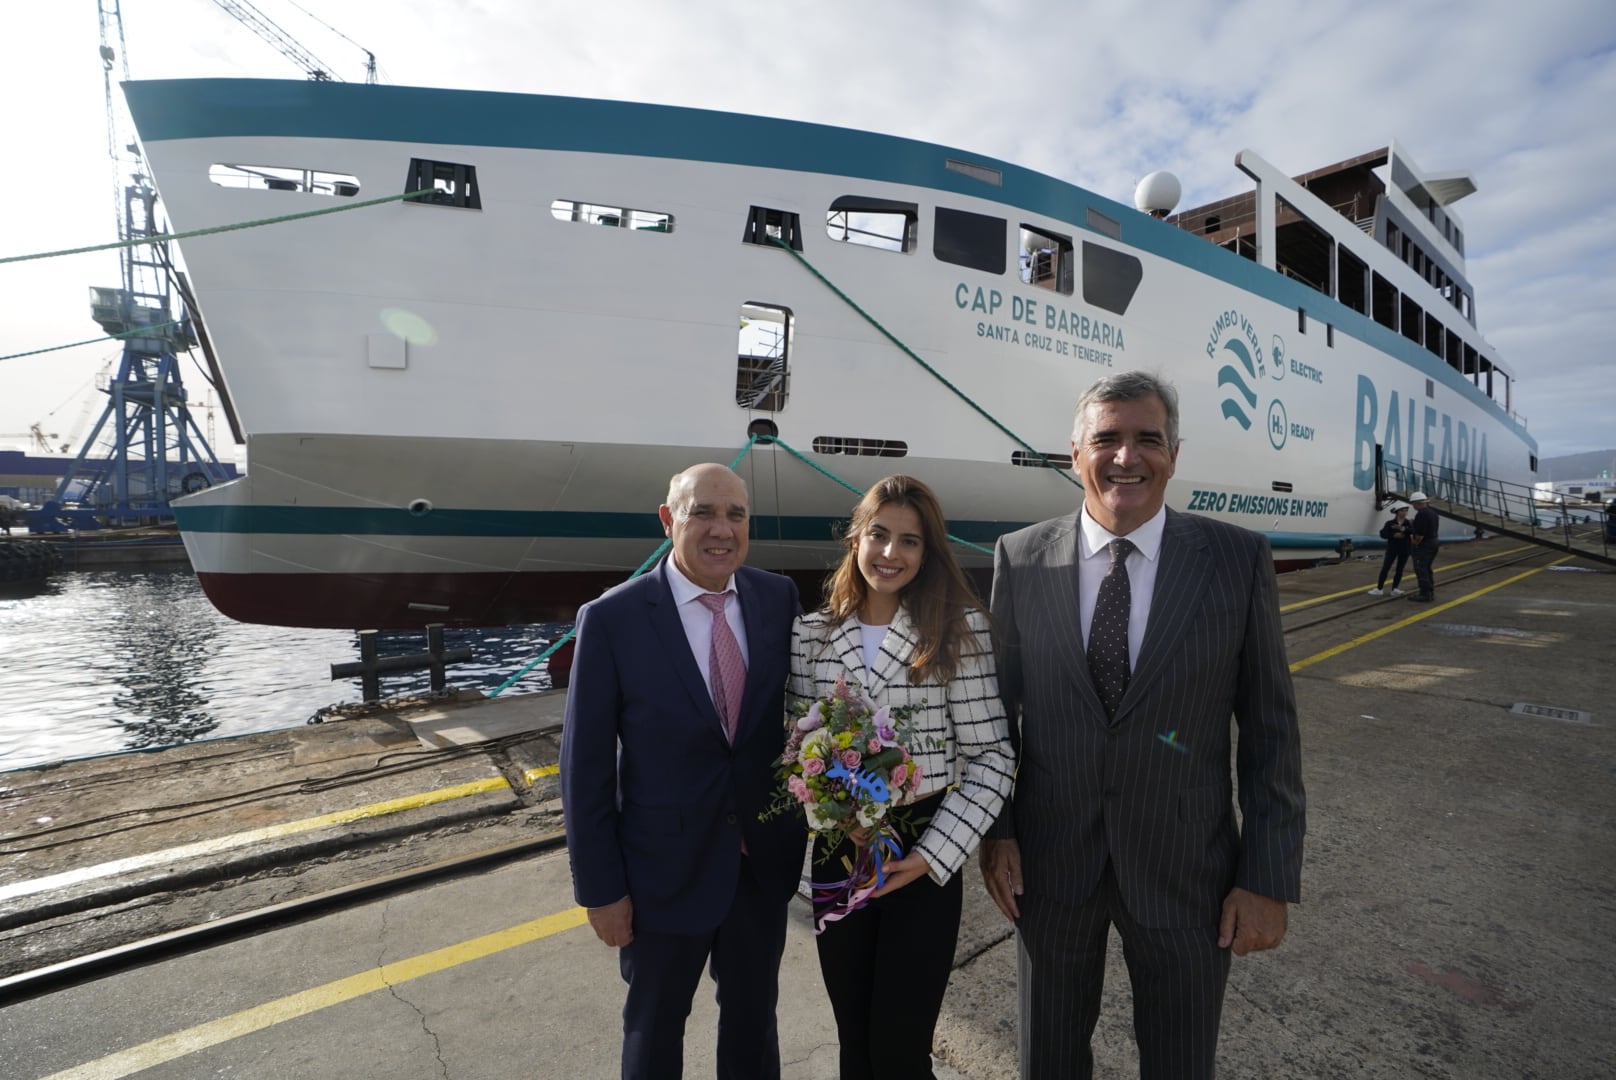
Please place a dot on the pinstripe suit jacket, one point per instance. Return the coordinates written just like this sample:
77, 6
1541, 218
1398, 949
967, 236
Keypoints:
972, 755
1089, 789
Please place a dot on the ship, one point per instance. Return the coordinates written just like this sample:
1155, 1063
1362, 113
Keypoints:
463, 398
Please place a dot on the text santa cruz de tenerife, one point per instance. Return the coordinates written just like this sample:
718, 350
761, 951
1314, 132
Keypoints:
1037, 324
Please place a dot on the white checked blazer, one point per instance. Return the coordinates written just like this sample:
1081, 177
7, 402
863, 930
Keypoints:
973, 758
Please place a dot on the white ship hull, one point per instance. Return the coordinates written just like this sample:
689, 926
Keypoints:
470, 415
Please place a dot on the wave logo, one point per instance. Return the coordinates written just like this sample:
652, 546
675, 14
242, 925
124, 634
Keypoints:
1234, 345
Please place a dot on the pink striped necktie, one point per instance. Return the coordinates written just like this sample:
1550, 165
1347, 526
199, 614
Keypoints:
726, 667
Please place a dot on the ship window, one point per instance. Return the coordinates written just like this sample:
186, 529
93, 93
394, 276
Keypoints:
877, 223
1301, 320
1455, 350
972, 240
1413, 320
1352, 274
1213, 223
1430, 388
764, 226
615, 217
1433, 335
847, 444
1329, 335
281, 178
1532, 458
450, 184
985, 173
1103, 225
1049, 460
1110, 278
1046, 260
1383, 300
762, 378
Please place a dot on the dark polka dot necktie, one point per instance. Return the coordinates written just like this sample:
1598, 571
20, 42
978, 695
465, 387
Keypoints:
1108, 630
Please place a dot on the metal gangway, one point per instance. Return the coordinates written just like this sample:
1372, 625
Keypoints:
1551, 520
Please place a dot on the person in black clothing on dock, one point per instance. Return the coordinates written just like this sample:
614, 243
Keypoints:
1396, 533
1424, 542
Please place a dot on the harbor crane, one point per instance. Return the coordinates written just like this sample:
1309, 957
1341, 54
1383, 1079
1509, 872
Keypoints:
157, 452
262, 25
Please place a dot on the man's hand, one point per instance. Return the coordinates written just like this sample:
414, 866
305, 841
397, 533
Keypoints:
1001, 872
898, 874
1251, 923
614, 923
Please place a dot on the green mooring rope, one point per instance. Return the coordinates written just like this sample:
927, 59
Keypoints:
911, 354
144, 331
164, 237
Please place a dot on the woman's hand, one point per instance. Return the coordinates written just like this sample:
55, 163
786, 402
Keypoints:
911, 867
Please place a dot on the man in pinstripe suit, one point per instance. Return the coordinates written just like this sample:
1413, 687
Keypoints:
1123, 806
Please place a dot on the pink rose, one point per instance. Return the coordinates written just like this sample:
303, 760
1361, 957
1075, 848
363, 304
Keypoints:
873, 746
799, 790
914, 776
900, 773
813, 766
850, 758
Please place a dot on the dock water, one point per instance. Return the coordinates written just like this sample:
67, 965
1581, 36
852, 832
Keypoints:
381, 897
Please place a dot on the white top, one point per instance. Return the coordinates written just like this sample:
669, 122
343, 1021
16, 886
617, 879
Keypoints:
1094, 562
873, 636
698, 621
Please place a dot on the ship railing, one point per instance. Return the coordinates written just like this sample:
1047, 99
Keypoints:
1563, 521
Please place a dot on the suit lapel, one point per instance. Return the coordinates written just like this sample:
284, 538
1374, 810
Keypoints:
897, 650
847, 646
1066, 556
670, 629
1180, 582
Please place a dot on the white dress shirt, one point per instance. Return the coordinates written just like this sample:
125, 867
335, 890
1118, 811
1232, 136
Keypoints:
698, 620
1094, 562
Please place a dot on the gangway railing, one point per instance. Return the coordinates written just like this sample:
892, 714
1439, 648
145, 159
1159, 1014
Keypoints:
1546, 518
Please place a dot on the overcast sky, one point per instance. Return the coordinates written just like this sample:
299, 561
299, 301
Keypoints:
1518, 94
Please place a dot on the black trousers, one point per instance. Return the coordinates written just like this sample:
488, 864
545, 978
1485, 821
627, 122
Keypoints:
1424, 556
886, 967
1398, 555
663, 971
1178, 976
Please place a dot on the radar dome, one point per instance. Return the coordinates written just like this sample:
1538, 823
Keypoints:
1157, 193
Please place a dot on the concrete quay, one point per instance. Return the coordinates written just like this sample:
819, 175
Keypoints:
1456, 919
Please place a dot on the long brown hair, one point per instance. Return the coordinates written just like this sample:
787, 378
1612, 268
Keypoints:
940, 594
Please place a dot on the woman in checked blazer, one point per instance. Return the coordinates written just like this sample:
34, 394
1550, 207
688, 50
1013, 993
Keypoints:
901, 620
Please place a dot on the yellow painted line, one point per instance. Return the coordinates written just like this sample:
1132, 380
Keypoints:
169, 1047
543, 770
235, 840
1412, 619
1311, 601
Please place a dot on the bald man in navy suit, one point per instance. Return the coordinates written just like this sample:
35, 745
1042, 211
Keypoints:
1131, 635
667, 758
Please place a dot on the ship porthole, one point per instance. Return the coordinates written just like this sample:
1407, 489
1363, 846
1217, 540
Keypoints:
420, 508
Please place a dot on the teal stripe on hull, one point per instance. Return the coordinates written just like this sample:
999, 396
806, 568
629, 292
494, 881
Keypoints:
561, 524
496, 524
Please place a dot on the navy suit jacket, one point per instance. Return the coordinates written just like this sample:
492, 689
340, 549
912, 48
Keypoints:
656, 799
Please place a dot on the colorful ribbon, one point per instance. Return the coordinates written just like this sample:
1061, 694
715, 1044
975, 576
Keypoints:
839, 899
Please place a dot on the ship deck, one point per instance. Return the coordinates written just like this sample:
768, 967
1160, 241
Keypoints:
370, 897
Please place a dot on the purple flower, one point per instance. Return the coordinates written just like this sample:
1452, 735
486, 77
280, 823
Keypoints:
814, 719
883, 727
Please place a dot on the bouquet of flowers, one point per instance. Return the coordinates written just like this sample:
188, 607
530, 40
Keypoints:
848, 766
